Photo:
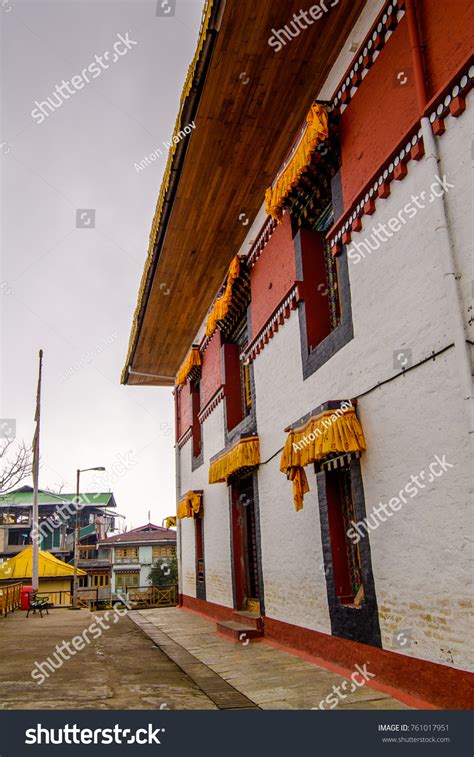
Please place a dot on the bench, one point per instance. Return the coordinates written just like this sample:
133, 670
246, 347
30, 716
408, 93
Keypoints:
36, 602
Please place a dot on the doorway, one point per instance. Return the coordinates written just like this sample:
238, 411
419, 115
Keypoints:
245, 547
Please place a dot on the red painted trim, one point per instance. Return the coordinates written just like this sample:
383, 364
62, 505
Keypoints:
441, 686
232, 384
416, 153
279, 314
419, 704
185, 437
216, 398
419, 683
207, 610
457, 106
416, 54
438, 127
446, 88
367, 62
413, 129
383, 192
400, 172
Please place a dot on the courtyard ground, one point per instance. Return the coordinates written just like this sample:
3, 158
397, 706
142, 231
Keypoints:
122, 669
269, 677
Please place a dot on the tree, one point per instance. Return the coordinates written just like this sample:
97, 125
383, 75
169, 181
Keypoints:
16, 464
57, 488
164, 572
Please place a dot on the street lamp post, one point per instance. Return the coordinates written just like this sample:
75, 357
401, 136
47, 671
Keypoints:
77, 532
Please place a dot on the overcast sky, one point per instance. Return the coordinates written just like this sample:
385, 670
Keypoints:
72, 291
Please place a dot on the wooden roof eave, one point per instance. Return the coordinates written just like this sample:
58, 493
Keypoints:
189, 112
220, 105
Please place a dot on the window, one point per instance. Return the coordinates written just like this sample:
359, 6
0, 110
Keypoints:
237, 380
199, 547
345, 554
164, 551
17, 537
100, 579
195, 410
83, 582
314, 204
124, 581
126, 554
329, 288
351, 591
322, 306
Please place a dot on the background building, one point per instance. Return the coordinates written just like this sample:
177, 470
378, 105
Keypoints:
57, 520
131, 555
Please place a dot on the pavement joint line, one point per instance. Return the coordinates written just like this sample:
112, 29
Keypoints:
183, 659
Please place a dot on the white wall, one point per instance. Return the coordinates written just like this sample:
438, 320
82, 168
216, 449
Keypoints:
216, 518
420, 557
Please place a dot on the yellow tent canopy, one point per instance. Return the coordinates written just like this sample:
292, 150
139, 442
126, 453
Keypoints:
21, 566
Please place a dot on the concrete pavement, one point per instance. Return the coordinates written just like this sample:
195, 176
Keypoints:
121, 669
268, 677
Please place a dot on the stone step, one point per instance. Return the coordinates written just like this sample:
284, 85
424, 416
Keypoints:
252, 619
239, 632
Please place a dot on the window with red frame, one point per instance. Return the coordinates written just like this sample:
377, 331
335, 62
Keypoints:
195, 410
238, 391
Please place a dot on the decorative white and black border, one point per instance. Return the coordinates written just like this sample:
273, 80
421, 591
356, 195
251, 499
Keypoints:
278, 317
453, 103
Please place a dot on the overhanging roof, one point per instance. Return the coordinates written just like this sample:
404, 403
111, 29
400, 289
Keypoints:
49, 566
247, 103
24, 498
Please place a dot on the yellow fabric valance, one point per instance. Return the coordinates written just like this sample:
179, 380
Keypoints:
244, 454
327, 433
189, 504
192, 360
222, 303
170, 521
314, 132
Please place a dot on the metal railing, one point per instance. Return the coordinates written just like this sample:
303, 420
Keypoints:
154, 596
10, 598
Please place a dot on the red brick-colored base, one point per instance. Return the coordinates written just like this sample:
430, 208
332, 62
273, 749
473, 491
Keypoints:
209, 609
431, 684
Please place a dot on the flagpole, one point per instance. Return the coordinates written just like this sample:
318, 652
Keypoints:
36, 449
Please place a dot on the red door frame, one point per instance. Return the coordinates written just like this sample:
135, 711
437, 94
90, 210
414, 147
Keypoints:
238, 554
342, 581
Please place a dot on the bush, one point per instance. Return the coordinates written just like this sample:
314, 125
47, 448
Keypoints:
164, 572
